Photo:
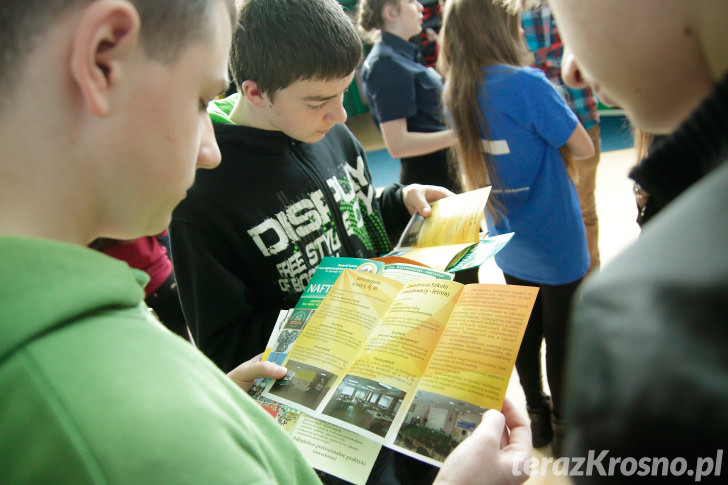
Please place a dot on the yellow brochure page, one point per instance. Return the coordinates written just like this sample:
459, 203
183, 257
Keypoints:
468, 372
342, 323
400, 346
357, 361
476, 354
332, 337
454, 220
412, 366
395, 357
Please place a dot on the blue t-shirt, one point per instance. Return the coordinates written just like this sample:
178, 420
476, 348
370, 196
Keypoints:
397, 86
528, 121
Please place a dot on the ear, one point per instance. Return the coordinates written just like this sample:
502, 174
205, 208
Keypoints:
390, 13
253, 93
106, 34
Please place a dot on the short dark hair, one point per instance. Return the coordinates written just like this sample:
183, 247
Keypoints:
279, 42
167, 27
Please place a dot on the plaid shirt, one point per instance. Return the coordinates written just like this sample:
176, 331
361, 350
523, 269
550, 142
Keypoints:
542, 38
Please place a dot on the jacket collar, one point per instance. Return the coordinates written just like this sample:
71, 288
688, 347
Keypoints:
401, 46
692, 151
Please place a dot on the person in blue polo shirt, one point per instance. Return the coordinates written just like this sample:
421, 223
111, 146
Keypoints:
403, 94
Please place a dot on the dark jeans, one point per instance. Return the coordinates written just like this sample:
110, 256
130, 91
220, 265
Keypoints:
549, 321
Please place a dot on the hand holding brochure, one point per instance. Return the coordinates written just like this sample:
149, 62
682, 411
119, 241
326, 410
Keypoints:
450, 238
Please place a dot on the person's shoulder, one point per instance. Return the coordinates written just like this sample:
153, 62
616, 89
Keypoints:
121, 379
387, 63
380, 50
228, 132
647, 343
516, 84
240, 142
531, 72
155, 363
532, 76
677, 266
532, 89
508, 76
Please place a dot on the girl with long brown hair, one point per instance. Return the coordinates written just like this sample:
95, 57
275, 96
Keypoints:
511, 125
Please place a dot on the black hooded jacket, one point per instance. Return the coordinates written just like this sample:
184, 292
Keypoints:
250, 233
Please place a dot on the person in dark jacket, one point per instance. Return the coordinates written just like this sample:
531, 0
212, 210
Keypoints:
646, 378
293, 185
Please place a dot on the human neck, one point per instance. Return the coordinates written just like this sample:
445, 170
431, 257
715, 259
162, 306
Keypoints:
245, 113
41, 216
394, 30
39, 192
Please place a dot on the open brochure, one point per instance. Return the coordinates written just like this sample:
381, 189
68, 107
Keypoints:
327, 447
450, 238
411, 366
291, 322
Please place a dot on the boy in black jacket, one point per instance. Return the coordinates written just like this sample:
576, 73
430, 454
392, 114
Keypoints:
293, 185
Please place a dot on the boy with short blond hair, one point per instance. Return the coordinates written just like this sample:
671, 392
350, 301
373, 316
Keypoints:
94, 389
